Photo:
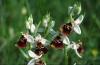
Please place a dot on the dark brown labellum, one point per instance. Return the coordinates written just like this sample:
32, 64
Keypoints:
44, 50
39, 45
22, 42
40, 51
80, 49
39, 62
66, 29
57, 43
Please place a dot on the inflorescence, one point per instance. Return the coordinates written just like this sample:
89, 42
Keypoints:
34, 39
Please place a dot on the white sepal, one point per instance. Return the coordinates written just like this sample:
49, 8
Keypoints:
77, 29
33, 55
38, 38
31, 62
79, 20
29, 38
66, 40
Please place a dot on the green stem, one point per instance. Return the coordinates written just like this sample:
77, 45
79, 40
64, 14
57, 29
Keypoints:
65, 56
24, 54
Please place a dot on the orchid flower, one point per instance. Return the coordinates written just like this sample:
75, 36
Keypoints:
24, 39
38, 38
76, 48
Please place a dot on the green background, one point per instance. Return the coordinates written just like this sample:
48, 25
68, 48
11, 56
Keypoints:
12, 22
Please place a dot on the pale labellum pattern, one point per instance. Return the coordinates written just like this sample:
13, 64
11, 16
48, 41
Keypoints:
33, 55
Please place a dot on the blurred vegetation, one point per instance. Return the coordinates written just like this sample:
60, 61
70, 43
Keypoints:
13, 14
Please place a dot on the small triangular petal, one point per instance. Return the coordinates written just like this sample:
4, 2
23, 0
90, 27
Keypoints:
77, 29
31, 62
